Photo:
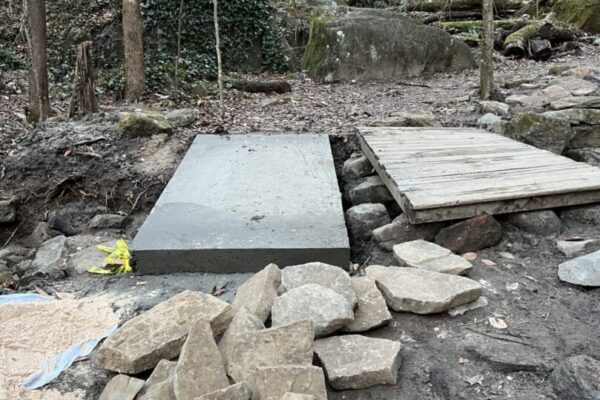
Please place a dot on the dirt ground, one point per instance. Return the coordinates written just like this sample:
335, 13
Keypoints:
86, 162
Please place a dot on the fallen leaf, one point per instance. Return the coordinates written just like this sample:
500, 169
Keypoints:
497, 323
463, 360
488, 262
507, 255
217, 291
512, 286
470, 256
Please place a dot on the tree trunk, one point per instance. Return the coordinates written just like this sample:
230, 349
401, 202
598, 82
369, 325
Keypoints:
133, 45
176, 74
39, 105
219, 64
84, 93
487, 51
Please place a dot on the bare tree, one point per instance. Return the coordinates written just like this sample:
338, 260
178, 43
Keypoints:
175, 75
219, 64
487, 50
39, 105
133, 44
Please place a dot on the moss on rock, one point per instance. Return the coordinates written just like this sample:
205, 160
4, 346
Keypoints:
143, 123
584, 14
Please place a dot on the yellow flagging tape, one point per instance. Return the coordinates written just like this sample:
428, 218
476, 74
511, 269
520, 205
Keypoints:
117, 261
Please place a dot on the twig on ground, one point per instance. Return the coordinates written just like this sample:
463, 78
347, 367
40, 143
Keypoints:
12, 235
137, 199
500, 337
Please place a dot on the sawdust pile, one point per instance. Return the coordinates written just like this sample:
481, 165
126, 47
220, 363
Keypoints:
32, 332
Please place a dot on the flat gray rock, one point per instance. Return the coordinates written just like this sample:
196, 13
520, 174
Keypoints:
272, 383
541, 222
200, 367
159, 333
411, 254
423, 292
430, 257
577, 378
121, 387
358, 362
159, 384
502, 355
328, 310
243, 321
330, 276
400, 230
284, 345
583, 271
258, 293
239, 202
239, 391
372, 311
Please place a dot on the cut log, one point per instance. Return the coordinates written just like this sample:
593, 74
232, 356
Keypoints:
515, 44
540, 49
261, 86
460, 5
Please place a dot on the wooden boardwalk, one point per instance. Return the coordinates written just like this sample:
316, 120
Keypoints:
438, 174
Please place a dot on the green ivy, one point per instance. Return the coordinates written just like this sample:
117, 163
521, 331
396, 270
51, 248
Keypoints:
247, 27
9, 60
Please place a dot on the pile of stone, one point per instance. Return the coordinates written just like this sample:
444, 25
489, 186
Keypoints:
561, 113
262, 346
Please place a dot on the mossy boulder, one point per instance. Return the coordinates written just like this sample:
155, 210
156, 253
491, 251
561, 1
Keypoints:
143, 123
370, 45
540, 131
584, 14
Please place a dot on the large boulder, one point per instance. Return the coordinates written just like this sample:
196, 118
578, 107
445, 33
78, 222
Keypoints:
581, 13
541, 131
371, 45
143, 124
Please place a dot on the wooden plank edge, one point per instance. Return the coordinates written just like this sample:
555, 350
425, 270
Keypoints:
501, 207
387, 180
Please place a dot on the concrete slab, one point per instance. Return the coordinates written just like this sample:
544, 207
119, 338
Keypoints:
237, 203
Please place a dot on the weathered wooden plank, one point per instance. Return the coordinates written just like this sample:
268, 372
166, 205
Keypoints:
440, 173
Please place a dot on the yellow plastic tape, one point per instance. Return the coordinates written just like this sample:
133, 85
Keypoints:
117, 261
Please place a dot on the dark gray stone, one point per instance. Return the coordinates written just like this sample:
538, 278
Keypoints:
400, 230
70, 218
357, 167
543, 223
41, 233
583, 271
369, 190
585, 136
107, 221
577, 378
588, 215
471, 235
445, 382
587, 155
49, 261
240, 202
504, 355
363, 218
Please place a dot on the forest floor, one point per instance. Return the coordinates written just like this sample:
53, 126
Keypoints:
87, 164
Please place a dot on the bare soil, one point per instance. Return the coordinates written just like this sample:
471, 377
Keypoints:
87, 161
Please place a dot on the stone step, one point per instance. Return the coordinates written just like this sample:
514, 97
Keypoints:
237, 203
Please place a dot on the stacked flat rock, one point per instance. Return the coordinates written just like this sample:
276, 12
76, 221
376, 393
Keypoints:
430, 257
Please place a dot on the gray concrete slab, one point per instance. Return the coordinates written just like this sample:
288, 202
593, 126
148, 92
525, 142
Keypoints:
237, 203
